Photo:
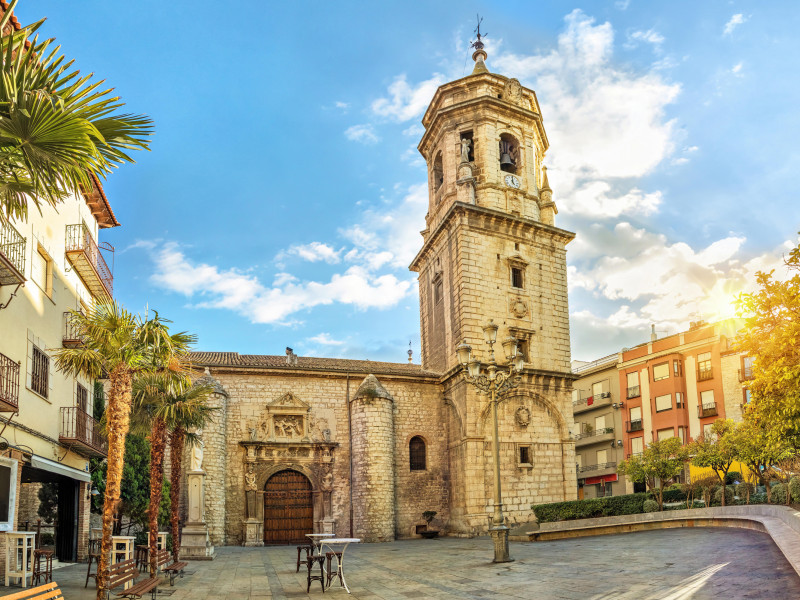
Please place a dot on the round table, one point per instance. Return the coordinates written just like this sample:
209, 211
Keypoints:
343, 543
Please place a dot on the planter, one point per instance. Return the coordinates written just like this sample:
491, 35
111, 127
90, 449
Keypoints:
429, 534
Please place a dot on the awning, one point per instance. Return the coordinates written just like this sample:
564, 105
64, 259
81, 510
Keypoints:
39, 462
600, 479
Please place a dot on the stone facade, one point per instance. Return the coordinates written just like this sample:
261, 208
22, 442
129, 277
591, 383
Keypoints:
490, 250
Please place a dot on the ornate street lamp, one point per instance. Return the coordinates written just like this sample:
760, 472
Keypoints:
494, 380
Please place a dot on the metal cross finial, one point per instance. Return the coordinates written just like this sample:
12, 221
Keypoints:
478, 44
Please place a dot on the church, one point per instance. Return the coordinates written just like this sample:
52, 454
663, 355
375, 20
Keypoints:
362, 448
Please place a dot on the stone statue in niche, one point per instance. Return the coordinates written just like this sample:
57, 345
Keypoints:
522, 416
196, 458
288, 427
327, 482
250, 479
465, 144
253, 436
320, 427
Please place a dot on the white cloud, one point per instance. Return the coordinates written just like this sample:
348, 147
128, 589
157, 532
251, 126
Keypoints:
651, 36
212, 287
364, 134
586, 96
326, 340
737, 68
416, 130
622, 4
342, 105
405, 101
734, 22
313, 252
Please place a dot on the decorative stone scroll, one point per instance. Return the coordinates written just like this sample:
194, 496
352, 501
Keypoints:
286, 419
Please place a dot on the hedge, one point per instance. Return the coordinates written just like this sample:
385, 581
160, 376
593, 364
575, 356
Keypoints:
609, 506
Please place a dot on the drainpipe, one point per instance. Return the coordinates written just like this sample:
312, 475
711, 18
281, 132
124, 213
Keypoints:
350, 444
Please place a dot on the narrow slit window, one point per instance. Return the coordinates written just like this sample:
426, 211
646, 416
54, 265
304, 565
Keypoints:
516, 278
416, 451
40, 372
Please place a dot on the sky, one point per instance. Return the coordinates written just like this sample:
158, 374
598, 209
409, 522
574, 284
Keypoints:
283, 196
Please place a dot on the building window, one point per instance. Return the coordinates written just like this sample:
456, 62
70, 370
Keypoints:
661, 371
665, 434
633, 385
746, 395
677, 368
467, 135
579, 461
438, 172
603, 489
509, 153
682, 434
416, 451
525, 455
42, 270
637, 445
663, 402
40, 371
8, 492
707, 430
516, 277
678, 399
597, 389
438, 289
707, 399
600, 424
602, 457
704, 371
82, 398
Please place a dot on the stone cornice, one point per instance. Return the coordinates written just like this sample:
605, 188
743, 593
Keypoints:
427, 377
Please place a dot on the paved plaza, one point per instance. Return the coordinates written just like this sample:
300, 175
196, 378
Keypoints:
676, 564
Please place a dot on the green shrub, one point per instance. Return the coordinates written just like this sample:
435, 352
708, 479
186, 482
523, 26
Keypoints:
674, 495
758, 498
47, 539
728, 495
794, 488
745, 490
732, 477
779, 493
650, 505
586, 509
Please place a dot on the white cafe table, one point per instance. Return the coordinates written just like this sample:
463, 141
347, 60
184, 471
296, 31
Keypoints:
19, 553
316, 537
340, 545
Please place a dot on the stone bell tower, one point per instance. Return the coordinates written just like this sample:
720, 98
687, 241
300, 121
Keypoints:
491, 251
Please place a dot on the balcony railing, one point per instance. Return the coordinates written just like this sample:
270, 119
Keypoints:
70, 339
9, 384
633, 392
83, 253
707, 410
705, 374
635, 425
12, 254
596, 432
597, 467
746, 374
82, 432
590, 402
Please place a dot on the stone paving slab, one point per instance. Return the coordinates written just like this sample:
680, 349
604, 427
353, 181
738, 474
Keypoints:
673, 564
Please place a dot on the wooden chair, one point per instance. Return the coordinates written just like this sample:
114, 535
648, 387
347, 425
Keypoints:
48, 591
338, 572
127, 571
311, 561
94, 555
39, 573
309, 549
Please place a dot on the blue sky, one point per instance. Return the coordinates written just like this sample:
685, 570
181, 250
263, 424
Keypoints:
283, 197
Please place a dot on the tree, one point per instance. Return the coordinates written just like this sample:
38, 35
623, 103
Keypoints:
58, 128
118, 345
770, 336
758, 449
48, 502
716, 451
659, 464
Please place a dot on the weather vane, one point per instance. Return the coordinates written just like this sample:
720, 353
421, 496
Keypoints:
478, 44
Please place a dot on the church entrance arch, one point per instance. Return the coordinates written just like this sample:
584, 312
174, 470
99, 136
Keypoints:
288, 508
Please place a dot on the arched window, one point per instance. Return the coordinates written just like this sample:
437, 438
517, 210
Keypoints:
509, 153
438, 172
416, 452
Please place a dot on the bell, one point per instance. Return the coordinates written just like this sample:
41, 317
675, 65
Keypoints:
505, 160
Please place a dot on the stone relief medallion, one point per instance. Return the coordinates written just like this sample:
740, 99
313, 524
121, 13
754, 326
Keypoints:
518, 308
513, 91
522, 416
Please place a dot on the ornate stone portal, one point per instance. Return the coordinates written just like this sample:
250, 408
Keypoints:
283, 440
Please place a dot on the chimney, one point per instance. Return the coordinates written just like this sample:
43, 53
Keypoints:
653, 336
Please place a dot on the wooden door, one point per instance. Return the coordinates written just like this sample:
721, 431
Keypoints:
82, 415
288, 508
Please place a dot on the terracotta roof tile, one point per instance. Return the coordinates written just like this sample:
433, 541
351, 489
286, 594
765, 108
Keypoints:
311, 363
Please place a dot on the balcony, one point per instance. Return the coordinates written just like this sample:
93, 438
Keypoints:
84, 256
12, 255
9, 384
707, 410
596, 401
70, 339
705, 374
594, 437
599, 469
633, 392
635, 425
82, 433
745, 374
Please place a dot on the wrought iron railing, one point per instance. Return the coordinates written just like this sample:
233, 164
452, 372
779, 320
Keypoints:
708, 409
12, 245
596, 432
71, 336
633, 392
9, 383
746, 374
635, 425
597, 467
705, 374
78, 426
594, 398
79, 238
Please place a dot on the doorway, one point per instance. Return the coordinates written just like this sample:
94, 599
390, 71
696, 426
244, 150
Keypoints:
288, 508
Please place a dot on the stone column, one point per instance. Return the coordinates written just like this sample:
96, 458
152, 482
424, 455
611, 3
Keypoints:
195, 544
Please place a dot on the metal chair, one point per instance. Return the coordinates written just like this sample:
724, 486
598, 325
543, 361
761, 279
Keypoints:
94, 555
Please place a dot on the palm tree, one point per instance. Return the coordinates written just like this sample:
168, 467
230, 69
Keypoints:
118, 345
57, 127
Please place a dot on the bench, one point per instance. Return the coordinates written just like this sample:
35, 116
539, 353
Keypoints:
127, 571
48, 591
162, 558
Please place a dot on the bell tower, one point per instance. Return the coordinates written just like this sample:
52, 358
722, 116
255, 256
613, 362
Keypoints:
491, 250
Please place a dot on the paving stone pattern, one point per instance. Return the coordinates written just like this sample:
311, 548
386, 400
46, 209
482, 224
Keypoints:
683, 564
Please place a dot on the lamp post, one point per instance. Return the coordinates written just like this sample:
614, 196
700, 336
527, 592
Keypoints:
494, 380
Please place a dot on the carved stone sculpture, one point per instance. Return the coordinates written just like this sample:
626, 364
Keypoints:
465, 144
196, 459
522, 416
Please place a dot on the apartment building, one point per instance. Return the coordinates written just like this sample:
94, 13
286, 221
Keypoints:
50, 264
598, 414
